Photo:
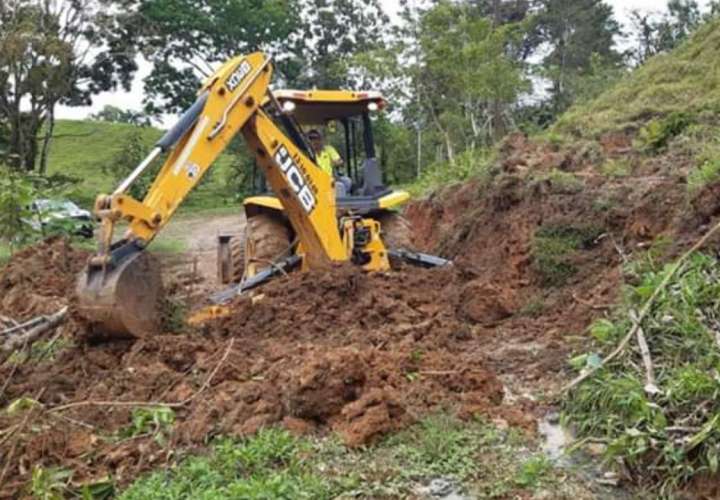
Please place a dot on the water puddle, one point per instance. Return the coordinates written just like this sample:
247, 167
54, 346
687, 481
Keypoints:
555, 438
442, 488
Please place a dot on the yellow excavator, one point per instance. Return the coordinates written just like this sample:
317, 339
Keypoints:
309, 220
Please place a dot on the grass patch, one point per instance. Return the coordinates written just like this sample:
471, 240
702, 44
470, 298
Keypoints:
475, 456
167, 245
656, 135
560, 182
616, 168
269, 465
554, 247
706, 173
668, 438
686, 80
4, 253
84, 151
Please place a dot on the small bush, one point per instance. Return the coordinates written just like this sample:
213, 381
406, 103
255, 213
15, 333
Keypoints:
467, 165
553, 248
657, 134
616, 168
561, 182
157, 422
706, 173
16, 194
533, 471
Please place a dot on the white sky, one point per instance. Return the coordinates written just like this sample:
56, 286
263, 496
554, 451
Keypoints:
133, 99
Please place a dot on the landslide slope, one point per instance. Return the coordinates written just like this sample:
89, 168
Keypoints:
576, 225
541, 249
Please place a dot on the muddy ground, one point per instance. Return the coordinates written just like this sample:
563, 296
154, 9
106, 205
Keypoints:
341, 351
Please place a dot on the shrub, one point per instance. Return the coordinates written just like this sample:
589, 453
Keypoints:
664, 439
16, 195
657, 134
706, 173
554, 247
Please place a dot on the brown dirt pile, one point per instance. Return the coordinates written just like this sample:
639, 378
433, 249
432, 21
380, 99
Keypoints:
353, 353
342, 351
40, 279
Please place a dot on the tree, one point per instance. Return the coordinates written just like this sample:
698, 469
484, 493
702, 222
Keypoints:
52, 51
573, 31
113, 114
186, 40
332, 33
656, 33
466, 77
455, 71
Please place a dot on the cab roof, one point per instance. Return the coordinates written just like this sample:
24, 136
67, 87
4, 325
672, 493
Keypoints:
317, 107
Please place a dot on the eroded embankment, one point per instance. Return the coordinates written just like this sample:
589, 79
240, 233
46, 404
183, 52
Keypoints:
538, 254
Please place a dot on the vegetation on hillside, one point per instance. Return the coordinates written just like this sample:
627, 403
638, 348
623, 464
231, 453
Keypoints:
459, 74
95, 155
687, 80
664, 430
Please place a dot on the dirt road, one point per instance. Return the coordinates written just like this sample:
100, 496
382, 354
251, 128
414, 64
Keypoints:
196, 236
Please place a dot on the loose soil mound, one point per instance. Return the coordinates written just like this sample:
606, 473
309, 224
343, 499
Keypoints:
538, 255
342, 351
39, 279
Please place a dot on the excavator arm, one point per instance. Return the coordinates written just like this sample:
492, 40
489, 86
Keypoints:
120, 291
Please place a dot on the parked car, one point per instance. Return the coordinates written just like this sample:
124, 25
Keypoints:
52, 215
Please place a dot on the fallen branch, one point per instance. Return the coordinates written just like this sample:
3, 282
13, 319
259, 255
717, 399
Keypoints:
153, 403
44, 324
23, 326
439, 373
650, 386
8, 321
645, 309
589, 304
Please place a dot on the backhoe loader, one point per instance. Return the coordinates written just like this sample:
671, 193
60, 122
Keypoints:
306, 221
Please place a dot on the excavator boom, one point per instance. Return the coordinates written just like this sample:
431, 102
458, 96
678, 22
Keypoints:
120, 291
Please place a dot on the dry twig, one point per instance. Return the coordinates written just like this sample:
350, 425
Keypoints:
650, 385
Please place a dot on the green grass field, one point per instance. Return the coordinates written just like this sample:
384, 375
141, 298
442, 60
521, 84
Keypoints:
84, 150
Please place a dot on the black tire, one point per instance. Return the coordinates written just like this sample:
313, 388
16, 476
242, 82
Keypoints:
267, 239
231, 258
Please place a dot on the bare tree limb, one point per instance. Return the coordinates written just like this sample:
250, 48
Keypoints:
27, 338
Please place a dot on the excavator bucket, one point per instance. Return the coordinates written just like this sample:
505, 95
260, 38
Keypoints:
122, 300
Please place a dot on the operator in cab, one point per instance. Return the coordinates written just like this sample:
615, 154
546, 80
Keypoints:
326, 156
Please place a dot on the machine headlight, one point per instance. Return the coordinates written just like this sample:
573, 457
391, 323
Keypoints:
372, 106
288, 106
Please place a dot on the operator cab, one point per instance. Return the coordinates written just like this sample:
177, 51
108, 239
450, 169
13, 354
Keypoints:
345, 118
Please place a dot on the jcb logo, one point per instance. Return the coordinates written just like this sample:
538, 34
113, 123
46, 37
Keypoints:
296, 179
238, 76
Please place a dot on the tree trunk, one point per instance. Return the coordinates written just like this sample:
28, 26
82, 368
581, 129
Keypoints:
446, 135
47, 139
418, 168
